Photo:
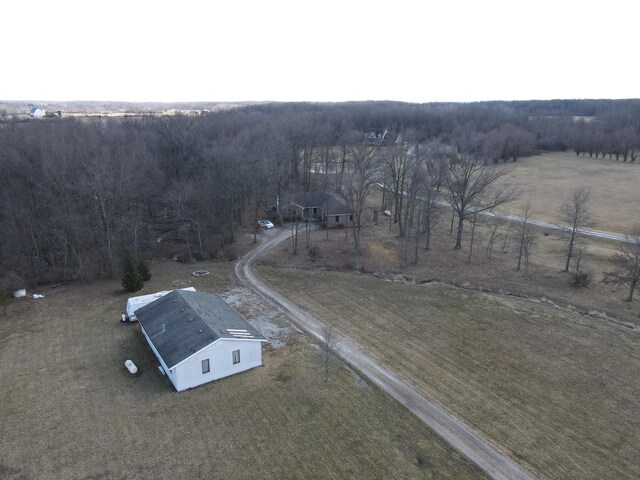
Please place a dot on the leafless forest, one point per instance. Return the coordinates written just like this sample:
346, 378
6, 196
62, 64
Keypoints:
75, 193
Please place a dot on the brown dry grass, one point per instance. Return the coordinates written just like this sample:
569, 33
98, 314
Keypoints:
68, 408
558, 390
498, 273
545, 180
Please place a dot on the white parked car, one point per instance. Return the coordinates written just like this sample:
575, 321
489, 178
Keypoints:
265, 224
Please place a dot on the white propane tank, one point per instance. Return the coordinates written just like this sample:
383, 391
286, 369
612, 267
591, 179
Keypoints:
387, 213
131, 367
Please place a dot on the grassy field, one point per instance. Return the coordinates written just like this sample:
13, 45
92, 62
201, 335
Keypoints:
557, 390
545, 180
497, 273
68, 408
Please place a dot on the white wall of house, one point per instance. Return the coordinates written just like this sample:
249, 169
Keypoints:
189, 374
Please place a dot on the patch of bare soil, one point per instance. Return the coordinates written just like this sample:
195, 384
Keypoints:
267, 319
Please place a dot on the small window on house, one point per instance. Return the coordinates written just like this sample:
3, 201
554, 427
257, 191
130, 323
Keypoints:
337, 218
315, 211
205, 366
351, 218
236, 356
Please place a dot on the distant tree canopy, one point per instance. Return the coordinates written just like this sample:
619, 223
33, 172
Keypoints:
75, 194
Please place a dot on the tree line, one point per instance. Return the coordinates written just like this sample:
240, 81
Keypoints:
76, 194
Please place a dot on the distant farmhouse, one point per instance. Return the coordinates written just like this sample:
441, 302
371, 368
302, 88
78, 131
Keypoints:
198, 337
327, 207
36, 112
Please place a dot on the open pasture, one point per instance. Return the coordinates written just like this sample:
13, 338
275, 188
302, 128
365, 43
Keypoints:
558, 391
546, 180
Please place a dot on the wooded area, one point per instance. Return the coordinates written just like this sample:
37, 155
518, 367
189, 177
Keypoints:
76, 193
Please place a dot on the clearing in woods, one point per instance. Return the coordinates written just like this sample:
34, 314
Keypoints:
69, 409
560, 392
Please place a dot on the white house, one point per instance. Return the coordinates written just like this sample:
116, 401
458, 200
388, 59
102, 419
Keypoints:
134, 303
198, 337
36, 112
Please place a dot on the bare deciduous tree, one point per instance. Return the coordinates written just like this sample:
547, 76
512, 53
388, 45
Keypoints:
581, 279
474, 222
576, 212
470, 189
434, 182
627, 263
494, 224
525, 239
396, 162
356, 186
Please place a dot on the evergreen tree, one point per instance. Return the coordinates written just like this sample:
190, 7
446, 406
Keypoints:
131, 280
143, 270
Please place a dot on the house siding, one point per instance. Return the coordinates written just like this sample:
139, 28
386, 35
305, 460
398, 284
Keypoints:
220, 355
343, 219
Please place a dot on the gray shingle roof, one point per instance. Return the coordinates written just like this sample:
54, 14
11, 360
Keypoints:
183, 323
330, 203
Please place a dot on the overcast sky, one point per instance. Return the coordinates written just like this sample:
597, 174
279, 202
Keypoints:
235, 50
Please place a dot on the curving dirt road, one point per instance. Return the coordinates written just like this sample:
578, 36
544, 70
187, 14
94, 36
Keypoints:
460, 436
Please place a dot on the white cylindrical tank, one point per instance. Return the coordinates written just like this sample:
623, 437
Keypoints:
131, 367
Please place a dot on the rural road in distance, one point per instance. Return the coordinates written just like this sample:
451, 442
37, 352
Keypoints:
468, 442
554, 226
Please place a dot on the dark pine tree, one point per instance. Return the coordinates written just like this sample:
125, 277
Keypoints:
131, 280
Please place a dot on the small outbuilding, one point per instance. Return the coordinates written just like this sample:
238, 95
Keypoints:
198, 337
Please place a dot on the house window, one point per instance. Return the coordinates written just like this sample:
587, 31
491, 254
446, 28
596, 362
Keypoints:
351, 218
205, 366
315, 211
236, 356
337, 218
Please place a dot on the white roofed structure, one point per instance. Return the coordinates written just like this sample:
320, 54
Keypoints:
134, 303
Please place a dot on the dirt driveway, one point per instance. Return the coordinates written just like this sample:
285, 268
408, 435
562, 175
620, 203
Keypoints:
468, 442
